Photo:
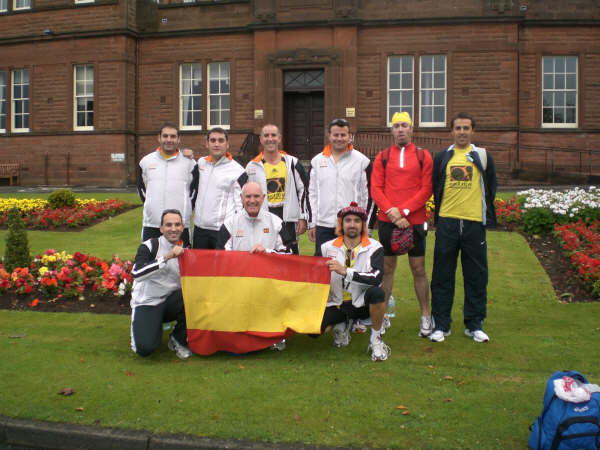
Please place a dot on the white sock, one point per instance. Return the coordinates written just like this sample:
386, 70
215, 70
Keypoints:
375, 334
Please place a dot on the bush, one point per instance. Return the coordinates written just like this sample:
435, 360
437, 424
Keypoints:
61, 198
538, 221
17, 245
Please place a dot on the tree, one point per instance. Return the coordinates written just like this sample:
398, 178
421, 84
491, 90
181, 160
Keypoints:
17, 244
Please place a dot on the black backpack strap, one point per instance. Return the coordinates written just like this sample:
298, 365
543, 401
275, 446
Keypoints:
154, 249
420, 156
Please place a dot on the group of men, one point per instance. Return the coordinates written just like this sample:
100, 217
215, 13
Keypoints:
267, 205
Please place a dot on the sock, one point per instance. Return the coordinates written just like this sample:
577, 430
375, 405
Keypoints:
375, 334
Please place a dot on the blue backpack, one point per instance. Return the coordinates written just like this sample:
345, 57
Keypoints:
565, 425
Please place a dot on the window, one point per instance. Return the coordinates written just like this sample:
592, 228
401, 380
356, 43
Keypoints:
22, 4
191, 96
3, 5
79, 2
433, 91
20, 100
83, 102
2, 102
218, 95
559, 91
400, 86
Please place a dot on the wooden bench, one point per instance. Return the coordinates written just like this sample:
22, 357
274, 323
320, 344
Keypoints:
10, 171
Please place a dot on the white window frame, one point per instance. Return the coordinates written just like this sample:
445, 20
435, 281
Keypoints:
433, 88
3, 5
87, 69
565, 90
15, 99
3, 92
220, 77
21, 8
409, 108
184, 95
82, 2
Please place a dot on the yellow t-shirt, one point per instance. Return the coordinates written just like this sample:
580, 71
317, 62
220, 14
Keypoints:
348, 262
276, 181
462, 189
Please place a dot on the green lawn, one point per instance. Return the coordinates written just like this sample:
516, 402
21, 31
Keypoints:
459, 394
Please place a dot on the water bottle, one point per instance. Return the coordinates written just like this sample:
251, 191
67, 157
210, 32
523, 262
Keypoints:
391, 309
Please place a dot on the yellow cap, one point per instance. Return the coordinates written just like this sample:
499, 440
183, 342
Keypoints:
401, 117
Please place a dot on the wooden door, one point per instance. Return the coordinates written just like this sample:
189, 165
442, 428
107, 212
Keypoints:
303, 123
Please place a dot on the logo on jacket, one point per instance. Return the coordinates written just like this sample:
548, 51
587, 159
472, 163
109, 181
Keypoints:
266, 230
239, 233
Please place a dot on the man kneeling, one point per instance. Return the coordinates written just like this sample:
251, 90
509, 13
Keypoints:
156, 296
356, 267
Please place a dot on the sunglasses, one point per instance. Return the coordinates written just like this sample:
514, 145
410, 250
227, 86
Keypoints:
339, 123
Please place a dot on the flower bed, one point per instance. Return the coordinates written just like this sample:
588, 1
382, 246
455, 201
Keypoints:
56, 275
37, 215
581, 241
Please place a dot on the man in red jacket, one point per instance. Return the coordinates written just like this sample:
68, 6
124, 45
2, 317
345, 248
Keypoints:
401, 186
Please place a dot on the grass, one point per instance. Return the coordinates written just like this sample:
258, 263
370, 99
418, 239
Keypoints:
458, 394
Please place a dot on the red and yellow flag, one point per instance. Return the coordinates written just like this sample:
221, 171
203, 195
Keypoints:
240, 302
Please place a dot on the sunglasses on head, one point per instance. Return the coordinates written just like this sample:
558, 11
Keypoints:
339, 123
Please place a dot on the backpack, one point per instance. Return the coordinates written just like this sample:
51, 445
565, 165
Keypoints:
385, 156
565, 425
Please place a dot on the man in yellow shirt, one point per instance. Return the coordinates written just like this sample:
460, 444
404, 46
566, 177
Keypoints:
285, 182
464, 188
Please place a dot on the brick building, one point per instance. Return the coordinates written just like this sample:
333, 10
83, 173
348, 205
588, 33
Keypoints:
85, 84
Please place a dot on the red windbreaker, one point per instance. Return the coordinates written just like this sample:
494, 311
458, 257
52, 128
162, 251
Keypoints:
406, 185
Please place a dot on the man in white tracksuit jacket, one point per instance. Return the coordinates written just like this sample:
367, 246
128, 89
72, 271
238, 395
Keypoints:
219, 189
339, 175
167, 180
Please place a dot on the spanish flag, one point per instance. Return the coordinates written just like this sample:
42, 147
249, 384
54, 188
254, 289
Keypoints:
240, 302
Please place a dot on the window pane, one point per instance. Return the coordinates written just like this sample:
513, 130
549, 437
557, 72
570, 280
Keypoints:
559, 99
439, 63
225, 102
394, 98
407, 98
214, 102
439, 80
214, 86
548, 98
548, 81
407, 81
224, 86
571, 115
214, 117
438, 97
438, 114
547, 113
571, 81
559, 81
426, 81
559, 65
426, 63
559, 116
571, 64
548, 64
571, 98
427, 98
394, 64
395, 81
426, 114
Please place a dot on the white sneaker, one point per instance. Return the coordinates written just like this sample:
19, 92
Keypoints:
341, 334
180, 350
426, 326
438, 335
279, 346
379, 351
385, 323
477, 335
359, 327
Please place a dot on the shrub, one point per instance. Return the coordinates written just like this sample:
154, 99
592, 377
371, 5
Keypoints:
61, 198
17, 245
538, 221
